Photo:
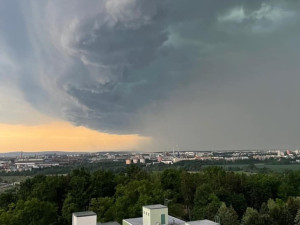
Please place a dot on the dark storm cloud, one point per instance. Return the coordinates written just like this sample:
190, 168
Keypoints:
164, 68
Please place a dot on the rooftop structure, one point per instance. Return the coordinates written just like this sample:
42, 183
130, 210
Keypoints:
88, 218
201, 222
158, 206
152, 215
84, 218
158, 215
109, 223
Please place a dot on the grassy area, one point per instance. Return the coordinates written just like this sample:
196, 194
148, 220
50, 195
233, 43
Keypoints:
275, 168
280, 168
6, 182
12, 179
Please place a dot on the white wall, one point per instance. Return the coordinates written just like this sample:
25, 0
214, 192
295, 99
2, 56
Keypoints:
84, 220
153, 216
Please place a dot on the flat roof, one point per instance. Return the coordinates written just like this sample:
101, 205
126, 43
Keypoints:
158, 206
135, 221
174, 220
109, 223
139, 221
82, 214
202, 222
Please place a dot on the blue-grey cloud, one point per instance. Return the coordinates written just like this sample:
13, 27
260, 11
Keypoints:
122, 66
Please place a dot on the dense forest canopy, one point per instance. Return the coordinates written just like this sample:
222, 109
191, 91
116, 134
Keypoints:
233, 198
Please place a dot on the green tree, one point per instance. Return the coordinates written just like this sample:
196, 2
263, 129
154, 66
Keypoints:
260, 188
206, 203
188, 189
53, 189
135, 172
103, 208
7, 198
228, 216
297, 218
69, 206
265, 217
7, 217
251, 217
80, 188
35, 212
293, 205
290, 185
102, 184
170, 179
27, 186
279, 213
130, 198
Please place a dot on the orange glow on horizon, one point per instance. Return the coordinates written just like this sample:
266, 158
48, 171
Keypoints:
63, 136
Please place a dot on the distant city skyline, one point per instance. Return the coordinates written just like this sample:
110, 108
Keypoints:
147, 75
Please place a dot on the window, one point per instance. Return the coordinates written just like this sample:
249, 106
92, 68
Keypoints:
163, 219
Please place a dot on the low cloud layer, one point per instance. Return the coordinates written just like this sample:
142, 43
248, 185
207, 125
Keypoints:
200, 74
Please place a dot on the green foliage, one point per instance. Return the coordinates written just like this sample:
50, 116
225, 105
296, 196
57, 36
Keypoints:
69, 206
297, 218
293, 205
103, 208
260, 188
207, 211
7, 198
176, 209
206, 203
170, 179
251, 217
135, 172
228, 216
279, 213
31, 212
290, 185
103, 184
257, 199
132, 196
35, 212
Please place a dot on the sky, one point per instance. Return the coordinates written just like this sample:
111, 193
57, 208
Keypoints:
146, 75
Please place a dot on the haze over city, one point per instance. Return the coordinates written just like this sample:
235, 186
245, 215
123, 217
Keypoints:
147, 75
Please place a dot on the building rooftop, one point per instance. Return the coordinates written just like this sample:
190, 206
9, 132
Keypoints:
135, 221
171, 220
158, 206
202, 222
87, 213
109, 223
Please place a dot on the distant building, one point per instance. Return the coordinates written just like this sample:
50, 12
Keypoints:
142, 161
279, 153
135, 160
128, 161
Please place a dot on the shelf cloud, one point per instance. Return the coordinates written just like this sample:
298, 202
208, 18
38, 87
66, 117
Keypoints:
202, 73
